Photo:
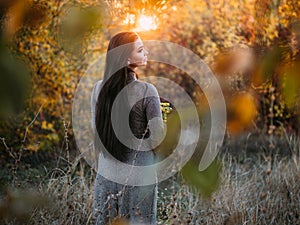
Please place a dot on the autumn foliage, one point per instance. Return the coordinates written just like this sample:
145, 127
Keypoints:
252, 47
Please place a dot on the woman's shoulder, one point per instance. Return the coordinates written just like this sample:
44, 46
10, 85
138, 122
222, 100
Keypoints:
145, 86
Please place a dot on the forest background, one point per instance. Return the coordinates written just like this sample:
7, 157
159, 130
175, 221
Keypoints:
251, 46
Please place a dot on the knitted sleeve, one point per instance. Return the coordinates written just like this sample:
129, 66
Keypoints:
154, 116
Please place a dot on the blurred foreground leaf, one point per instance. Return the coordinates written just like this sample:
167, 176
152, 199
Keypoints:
119, 221
14, 83
77, 23
18, 205
290, 85
267, 67
241, 112
207, 181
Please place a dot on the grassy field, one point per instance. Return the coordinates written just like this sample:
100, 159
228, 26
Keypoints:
255, 188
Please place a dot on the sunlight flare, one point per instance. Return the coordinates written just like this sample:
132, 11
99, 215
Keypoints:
146, 23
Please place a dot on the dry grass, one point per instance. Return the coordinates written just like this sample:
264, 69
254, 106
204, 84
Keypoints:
259, 190
249, 194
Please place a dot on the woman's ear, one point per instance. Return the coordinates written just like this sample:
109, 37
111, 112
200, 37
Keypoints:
128, 61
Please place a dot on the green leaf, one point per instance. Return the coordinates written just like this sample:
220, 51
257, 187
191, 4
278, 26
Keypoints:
14, 84
205, 182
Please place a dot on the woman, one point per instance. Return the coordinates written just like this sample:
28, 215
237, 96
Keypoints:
137, 204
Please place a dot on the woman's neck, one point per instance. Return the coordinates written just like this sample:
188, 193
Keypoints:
131, 68
132, 74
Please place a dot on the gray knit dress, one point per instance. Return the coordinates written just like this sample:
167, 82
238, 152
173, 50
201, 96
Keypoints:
138, 204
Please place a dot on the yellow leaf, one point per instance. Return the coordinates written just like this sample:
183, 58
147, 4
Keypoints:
44, 125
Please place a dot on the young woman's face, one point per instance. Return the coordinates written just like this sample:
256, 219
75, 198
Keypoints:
138, 56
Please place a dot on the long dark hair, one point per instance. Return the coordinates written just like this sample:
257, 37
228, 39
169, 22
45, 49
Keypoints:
116, 76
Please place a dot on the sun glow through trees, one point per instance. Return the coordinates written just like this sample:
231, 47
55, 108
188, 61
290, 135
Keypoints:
146, 23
